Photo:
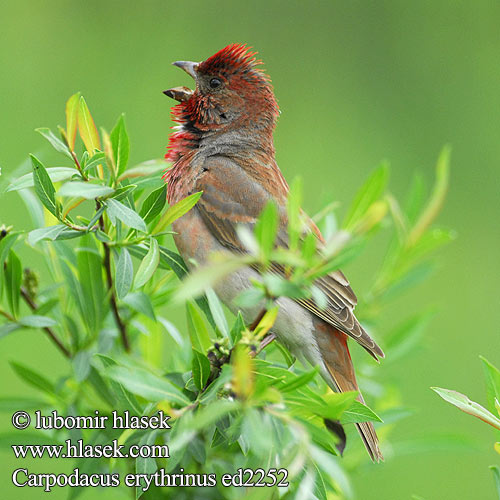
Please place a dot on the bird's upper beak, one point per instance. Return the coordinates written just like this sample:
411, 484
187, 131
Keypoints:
182, 94
188, 66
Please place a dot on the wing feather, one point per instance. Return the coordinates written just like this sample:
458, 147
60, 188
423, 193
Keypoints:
222, 209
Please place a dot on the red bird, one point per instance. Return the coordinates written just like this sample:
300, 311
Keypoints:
224, 147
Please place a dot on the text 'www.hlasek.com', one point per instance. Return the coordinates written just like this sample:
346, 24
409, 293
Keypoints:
149, 447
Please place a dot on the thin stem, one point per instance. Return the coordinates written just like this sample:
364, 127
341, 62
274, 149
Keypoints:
79, 167
7, 315
52, 335
122, 327
257, 320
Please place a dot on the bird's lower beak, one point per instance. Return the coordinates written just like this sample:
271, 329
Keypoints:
189, 67
182, 94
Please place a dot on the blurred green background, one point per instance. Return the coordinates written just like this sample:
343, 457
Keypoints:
357, 82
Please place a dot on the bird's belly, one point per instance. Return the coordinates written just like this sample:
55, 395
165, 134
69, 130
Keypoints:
294, 325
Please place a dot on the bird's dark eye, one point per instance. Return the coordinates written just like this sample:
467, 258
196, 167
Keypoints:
214, 83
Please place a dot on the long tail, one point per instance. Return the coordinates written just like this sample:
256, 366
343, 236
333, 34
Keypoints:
341, 378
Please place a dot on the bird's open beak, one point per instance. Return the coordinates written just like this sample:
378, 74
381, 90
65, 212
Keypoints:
182, 94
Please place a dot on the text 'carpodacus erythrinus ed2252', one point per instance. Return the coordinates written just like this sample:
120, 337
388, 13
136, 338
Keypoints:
224, 148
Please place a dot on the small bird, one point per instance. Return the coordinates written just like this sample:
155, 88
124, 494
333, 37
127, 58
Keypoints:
224, 147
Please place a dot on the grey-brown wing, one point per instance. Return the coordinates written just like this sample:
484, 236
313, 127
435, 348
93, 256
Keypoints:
222, 209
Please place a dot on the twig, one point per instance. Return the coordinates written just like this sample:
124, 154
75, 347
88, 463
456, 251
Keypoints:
109, 280
33, 306
7, 315
263, 344
257, 320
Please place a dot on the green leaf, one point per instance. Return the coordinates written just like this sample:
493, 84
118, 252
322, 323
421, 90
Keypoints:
59, 232
121, 145
153, 204
141, 303
124, 274
200, 366
266, 228
148, 265
437, 197
45, 233
320, 487
125, 399
496, 476
85, 190
90, 287
5, 246
72, 119
12, 404
492, 376
358, 412
37, 321
217, 312
146, 466
44, 188
57, 144
147, 385
463, 403
56, 174
117, 210
198, 281
176, 211
299, 381
198, 332
33, 378
237, 329
81, 365
123, 192
13, 278
87, 128
97, 159
368, 194
146, 169
8, 328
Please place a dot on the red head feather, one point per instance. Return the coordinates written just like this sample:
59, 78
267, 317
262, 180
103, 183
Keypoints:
239, 68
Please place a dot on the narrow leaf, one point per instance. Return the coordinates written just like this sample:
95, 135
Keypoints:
13, 278
176, 211
492, 376
130, 218
72, 118
124, 274
85, 190
56, 143
44, 188
56, 174
463, 403
37, 321
120, 145
368, 194
153, 204
201, 369
217, 312
148, 265
198, 332
147, 385
33, 378
266, 228
87, 128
